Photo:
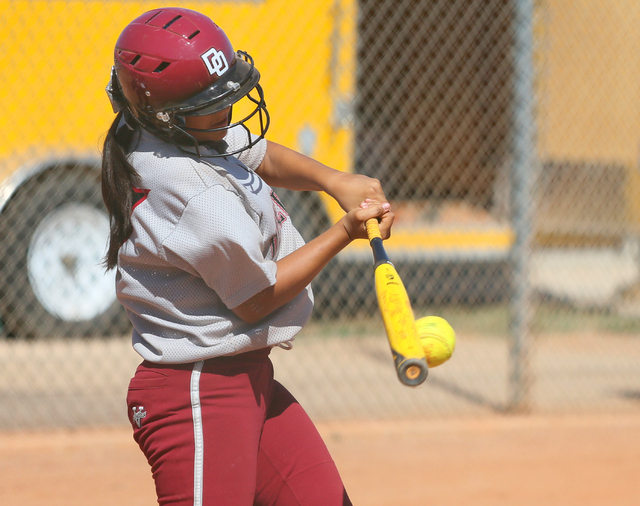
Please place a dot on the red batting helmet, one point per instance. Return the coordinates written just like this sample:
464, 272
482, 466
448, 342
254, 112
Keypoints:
175, 62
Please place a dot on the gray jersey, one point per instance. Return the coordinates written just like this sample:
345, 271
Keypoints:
206, 236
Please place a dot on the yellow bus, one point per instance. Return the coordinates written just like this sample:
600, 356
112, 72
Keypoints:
327, 83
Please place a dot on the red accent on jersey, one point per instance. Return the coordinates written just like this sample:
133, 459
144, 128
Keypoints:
139, 196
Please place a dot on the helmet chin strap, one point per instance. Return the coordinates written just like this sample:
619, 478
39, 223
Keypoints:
219, 146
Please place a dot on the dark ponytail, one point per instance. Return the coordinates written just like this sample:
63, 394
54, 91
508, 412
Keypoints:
118, 180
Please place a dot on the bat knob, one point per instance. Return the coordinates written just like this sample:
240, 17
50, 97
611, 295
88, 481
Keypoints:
413, 372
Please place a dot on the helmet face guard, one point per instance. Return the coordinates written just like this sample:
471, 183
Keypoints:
259, 114
172, 63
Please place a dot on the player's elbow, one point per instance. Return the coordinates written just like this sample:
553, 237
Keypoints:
248, 316
256, 308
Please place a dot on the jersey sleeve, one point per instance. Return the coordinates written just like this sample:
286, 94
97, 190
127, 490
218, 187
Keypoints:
218, 240
237, 137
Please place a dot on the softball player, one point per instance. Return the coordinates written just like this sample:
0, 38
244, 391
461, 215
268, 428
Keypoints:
211, 271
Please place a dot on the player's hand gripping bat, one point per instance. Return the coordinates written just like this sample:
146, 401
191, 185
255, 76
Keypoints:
395, 308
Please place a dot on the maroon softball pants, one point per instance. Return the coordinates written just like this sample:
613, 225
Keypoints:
223, 432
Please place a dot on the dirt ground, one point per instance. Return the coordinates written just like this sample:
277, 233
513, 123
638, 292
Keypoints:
496, 460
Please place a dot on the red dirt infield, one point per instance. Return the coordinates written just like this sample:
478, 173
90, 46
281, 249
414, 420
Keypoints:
584, 460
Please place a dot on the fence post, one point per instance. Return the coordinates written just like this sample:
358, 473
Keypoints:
523, 178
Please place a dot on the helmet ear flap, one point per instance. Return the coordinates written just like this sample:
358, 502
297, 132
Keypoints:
115, 94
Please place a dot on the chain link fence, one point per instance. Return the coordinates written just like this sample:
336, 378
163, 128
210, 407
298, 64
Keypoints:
505, 133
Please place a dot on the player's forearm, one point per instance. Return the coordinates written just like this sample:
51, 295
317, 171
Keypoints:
284, 168
295, 272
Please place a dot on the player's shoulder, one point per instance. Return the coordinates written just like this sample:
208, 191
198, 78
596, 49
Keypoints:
169, 178
238, 138
166, 163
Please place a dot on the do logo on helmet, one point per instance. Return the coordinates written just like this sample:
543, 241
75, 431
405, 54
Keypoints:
215, 61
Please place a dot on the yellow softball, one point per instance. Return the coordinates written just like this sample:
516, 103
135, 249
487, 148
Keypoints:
438, 339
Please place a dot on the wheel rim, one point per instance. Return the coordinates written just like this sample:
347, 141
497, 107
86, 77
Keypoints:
64, 260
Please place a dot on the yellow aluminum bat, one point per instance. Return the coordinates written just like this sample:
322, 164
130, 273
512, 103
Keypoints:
395, 308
